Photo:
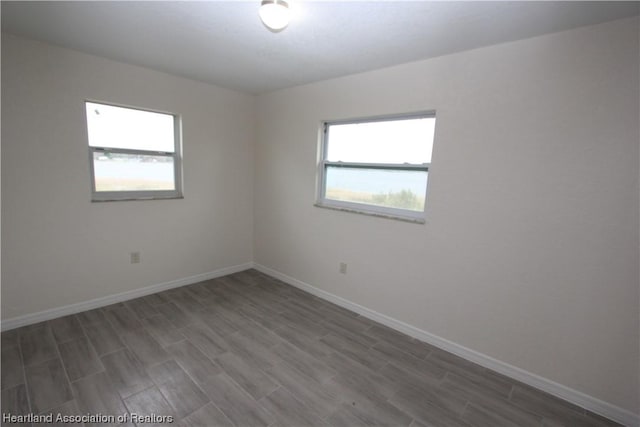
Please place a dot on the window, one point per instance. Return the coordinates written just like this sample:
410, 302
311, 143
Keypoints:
377, 166
133, 153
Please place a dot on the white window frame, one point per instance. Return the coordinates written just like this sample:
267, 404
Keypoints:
364, 208
105, 196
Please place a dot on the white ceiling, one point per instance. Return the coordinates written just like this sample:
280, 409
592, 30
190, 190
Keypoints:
224, 43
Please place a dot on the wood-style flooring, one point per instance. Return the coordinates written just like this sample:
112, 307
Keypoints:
249, 350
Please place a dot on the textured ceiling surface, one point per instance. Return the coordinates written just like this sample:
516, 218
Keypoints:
224, 42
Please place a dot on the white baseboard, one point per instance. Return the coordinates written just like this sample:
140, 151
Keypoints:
583, 400
53, 313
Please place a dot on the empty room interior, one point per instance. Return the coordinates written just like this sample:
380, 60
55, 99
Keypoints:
314, 213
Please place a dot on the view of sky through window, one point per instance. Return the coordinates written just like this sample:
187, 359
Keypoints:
117, 127
390, 141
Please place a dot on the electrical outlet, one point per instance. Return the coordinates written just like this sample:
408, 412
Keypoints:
135, 257
343, 267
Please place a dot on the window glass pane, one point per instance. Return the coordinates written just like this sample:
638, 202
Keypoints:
132, 172
392, 141
118, 127
390, 188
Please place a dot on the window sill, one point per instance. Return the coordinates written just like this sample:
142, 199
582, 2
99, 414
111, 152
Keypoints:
370, 213
133, 199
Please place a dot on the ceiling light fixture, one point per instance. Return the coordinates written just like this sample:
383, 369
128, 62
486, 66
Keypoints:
275, 14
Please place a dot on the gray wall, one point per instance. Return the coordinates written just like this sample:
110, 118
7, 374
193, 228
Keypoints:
58, 248
530, 251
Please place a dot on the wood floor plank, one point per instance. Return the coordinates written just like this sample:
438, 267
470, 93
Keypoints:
66, 328
476, 387
178, 389
149, 403
10, 338
122, 319
355, 351
602, 420
344, 417
253, 381
15, 402
250, 277
454, 363
79, 358
550, 408
174, 314
186, 301
69, 408
162, 330
252, 352
330, 308
352, 374
368, 407
299, 308
145, 347
310, 392
11, 367
207, 416
103, 337
27, 329
96, 394
430, 405
400, 340
199, 292
141, 308
208, 341
91, 316
498, 414
304, 362
237, 405
356, 325
279, 288
263, 336
407, 361
223, 298
193, 361
157, 299
212, 284
311, 328
217, 323
405, 377
313, 346
288, 410
435, 395
38, 345
265, 317
362, 339
231, 315
47, 385
126, 372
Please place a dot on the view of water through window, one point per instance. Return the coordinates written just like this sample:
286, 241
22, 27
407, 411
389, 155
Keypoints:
127, 172
399, 189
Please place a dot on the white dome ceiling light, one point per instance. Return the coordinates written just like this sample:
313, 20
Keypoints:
275, 14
